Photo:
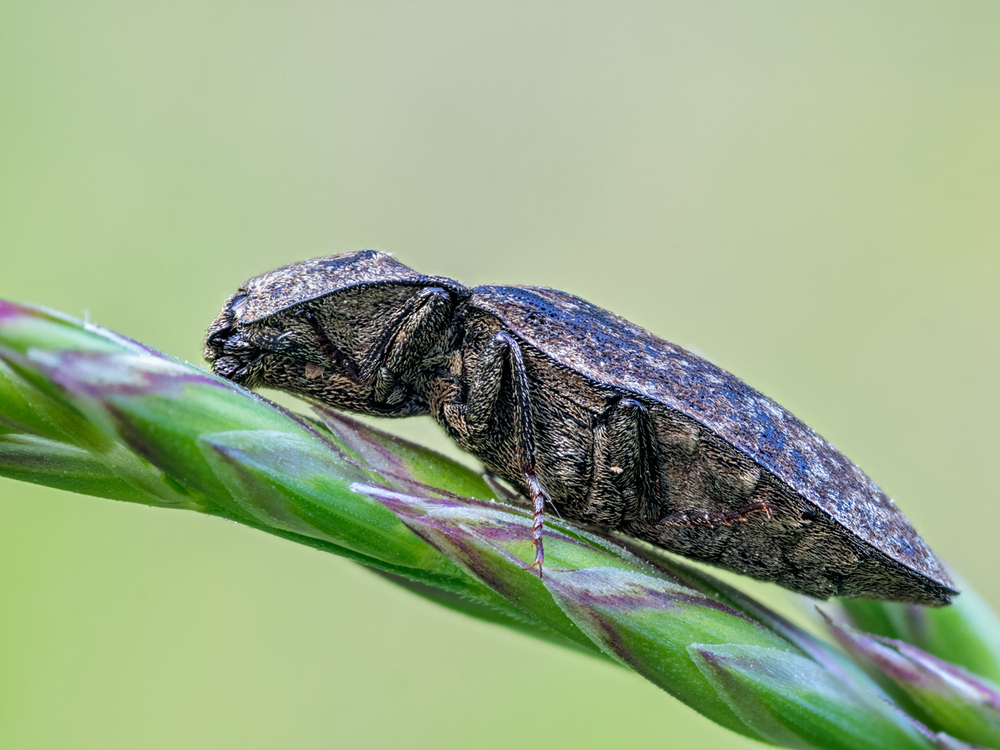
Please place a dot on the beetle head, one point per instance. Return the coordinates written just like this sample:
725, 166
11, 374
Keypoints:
236, 351
317, 328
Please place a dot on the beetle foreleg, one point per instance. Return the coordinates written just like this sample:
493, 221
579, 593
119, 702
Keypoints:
408, 339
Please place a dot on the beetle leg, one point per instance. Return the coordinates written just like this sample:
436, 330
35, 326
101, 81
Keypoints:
626, 485
526, 442
715, 518
407, 340
538, 521
472, 419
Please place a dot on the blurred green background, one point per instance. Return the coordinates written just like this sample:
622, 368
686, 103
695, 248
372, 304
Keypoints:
807, 193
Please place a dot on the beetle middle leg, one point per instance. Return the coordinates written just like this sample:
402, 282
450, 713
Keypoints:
471, 420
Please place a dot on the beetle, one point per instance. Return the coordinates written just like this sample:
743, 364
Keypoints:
578, 408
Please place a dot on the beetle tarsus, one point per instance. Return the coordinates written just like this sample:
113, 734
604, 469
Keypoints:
538, 519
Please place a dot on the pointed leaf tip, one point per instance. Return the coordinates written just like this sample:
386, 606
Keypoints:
947, 697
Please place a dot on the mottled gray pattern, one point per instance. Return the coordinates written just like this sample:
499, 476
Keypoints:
634, 360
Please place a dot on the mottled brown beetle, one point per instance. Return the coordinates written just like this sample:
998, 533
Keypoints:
572, 404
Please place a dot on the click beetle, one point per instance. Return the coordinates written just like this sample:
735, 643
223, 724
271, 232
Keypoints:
579, 408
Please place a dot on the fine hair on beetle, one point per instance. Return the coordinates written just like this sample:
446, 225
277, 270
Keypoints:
583, 410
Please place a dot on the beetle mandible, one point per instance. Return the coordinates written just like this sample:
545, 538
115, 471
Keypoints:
579, 408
